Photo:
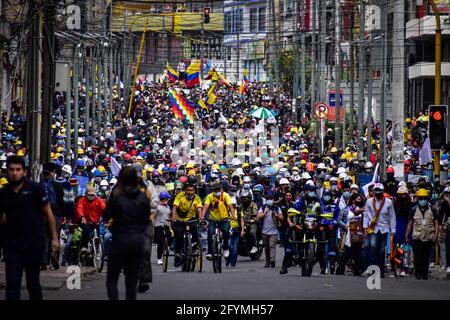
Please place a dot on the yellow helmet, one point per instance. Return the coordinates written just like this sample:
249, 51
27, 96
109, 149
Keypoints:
295, 169
3, 181
189, 166
101, 168
18, 143
305, 151
334, 149
215, 166
422, 193
245, 165
191, 173
408, 120
59, 149
20, 153
209, 162
303, 161
10, 128
80, 151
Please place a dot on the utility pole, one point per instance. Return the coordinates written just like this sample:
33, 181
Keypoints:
302, 60
313, 56
382, 160
75, 102
87, 75
398, 90
337, 77
323, 47
111, 58
296, 69
352, 80
362, 77
48, 80
238, 63
369, 108
94, 88
105, 82
68, 116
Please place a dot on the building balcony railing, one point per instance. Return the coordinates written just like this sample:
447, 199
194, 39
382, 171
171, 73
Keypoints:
426, 70
425, 26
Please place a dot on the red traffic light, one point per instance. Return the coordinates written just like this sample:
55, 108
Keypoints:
437, 115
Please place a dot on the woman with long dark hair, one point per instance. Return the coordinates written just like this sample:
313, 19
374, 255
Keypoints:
129, 209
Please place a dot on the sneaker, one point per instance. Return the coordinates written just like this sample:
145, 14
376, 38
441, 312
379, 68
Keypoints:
209, 257
272, 264
260, 242
432, 265
254, 250
226, 254
403, 274
442, 268
143, 287
448, 270
43, 267
159, 261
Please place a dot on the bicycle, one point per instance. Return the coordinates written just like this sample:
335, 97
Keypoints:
217, 254
190, 258
94, 254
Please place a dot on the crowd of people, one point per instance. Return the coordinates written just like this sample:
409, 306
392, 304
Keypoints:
130, 177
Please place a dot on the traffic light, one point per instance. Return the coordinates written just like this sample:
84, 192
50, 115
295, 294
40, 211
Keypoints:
437, 126
206, 12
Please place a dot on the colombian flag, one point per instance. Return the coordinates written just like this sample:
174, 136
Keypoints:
182, 108
193, 74
242, 88
173, 75
246, 75
224, 81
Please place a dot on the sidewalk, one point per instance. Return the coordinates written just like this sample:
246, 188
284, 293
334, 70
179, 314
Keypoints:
50, 280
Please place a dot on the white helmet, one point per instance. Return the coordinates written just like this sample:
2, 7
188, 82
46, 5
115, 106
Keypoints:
306, 176
104, 183
309, 183
130, 136
154, 121
247, 179
321, 166
291, 153
295, 178
368, 165
341, 170
67, 169
239, 172
236, 162
343, 176
113, 181
334, 179
283, 170
258, 160
284, 181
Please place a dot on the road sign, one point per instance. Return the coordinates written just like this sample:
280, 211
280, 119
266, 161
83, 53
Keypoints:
321, 110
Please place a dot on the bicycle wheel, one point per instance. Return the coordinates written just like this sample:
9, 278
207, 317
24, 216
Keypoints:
214, 253
199, 257
98, 257
218, 256
187, 254
165, 257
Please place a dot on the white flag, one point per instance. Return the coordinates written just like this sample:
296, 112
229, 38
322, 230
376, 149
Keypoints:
425, 153
115, 167
259, 128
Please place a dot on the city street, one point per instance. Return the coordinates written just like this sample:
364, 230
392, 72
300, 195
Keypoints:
250, 280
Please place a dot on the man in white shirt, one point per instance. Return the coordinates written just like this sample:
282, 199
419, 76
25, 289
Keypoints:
379, 220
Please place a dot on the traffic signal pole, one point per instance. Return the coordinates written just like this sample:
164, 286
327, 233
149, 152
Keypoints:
437, 80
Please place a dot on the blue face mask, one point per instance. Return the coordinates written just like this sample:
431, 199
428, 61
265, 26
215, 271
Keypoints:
347, 194
333, 187
270, 203
311, 194
326, 198
247, 186
423, 203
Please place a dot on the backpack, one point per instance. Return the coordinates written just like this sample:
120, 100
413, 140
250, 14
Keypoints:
51, 193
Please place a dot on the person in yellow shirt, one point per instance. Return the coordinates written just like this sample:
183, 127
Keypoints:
221, 210
187, 206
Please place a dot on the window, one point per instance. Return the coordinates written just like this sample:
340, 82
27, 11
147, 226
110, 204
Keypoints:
253, 19
289, 7
281, 7
262, 19
241, 20
227, 20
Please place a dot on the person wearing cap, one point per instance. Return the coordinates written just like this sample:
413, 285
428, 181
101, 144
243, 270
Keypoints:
403, 206
379, 220
423, 222
221, 210
271, 217
390, 184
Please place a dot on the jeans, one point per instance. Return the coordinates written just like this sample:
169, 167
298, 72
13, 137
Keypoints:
355, 252
161, 233
375, 250
224, 226
127, 252
234, 243
67, 248
327, 252
16, 261
447, 249
178, 229
107, 238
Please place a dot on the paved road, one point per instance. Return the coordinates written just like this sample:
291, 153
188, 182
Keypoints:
250, 280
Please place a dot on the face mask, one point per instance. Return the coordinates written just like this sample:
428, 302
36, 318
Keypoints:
295, 173
347, 194
311, 194
423, 203
327, 198
270, 203
90, 197
217, 194
104, 188
333, 187
378, 193
247, 186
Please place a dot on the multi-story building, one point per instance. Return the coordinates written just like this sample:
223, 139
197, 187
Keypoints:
245, 39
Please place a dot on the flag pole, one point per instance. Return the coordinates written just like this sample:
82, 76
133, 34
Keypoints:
133, 88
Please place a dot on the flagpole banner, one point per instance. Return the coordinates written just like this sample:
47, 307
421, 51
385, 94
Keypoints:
115, 167
425, 153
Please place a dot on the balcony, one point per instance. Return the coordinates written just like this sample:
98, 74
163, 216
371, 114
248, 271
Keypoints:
425, 26
426, 70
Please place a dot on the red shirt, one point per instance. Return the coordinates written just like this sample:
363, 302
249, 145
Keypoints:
91, 210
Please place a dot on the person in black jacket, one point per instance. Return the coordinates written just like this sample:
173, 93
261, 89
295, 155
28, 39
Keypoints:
129, 209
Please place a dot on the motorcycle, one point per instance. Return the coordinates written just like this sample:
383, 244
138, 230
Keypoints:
245, 245
308, 241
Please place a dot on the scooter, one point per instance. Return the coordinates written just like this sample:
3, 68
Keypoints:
245, 246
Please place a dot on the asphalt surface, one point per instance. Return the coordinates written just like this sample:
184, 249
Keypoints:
250, 280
